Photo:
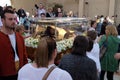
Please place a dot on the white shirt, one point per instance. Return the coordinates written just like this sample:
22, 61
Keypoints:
94, 55
41, 11
91, 28
1, 23
118, 36
28, 72
13, 43
96, 50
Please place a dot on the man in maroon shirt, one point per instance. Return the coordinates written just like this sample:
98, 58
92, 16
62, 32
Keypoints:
12, 47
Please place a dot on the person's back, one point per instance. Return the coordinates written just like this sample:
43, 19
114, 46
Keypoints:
38, 73
77, 63
79, 67
44, 60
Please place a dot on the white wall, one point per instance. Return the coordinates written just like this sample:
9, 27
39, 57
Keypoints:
94, 7
98, 7
68, 5
28, 5
117, 11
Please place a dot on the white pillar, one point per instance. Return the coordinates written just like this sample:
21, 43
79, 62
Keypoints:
81, 7
111, 7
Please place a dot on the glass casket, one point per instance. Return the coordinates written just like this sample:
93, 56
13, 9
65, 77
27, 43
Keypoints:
65, 31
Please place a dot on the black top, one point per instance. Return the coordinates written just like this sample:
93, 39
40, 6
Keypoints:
50, 14
80, 67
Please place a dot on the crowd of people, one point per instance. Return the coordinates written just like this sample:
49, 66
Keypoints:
82, 63
109, 33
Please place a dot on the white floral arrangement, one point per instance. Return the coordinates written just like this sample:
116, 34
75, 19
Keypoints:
61, 45
64, 44
31, 42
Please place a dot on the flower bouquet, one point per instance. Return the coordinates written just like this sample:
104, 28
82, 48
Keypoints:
31, 45
63, 46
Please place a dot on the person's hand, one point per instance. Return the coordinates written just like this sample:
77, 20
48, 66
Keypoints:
98, 38
117, 56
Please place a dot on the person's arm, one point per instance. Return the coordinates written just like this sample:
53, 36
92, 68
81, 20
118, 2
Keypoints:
117, 56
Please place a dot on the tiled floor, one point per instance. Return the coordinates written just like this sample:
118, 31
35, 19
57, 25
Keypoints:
116, 76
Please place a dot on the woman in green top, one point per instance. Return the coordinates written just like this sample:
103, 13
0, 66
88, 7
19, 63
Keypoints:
108, 63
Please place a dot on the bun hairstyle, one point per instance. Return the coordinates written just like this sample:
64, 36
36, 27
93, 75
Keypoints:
43, 54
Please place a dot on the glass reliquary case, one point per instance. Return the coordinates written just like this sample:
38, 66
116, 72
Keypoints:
65, 31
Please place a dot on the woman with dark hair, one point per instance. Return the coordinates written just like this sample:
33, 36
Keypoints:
44, 61
93, 25
77, 63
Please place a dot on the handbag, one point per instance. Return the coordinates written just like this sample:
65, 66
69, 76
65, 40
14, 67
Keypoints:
103, 49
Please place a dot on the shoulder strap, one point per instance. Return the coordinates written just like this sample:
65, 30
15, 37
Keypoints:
48, 73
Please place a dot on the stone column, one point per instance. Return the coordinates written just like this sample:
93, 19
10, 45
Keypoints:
111, 7
81, 7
